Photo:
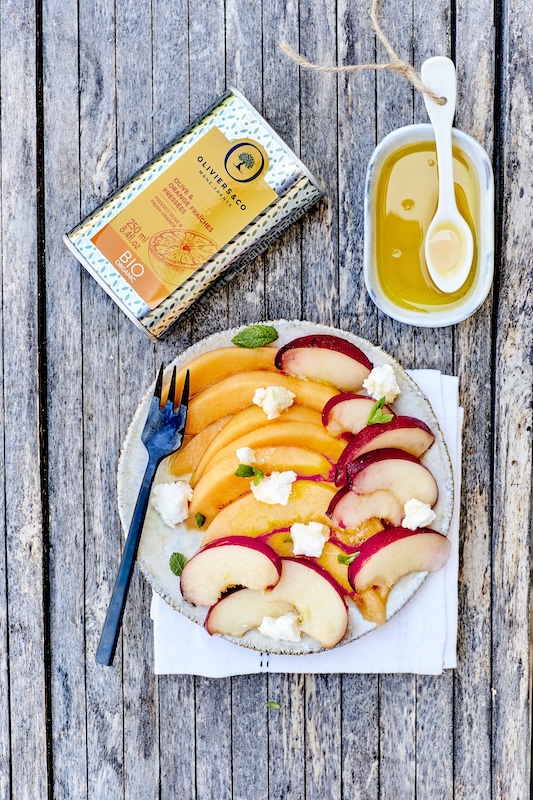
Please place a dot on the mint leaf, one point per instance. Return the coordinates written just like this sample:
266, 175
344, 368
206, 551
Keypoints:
176, 563
244, 471
272, 704
344, 559
255, 336
376, 417
200, 519
258, 476
288, 539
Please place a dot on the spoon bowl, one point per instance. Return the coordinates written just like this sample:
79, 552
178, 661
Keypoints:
449, 245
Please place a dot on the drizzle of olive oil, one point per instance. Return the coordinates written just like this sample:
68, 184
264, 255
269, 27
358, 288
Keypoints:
406, 201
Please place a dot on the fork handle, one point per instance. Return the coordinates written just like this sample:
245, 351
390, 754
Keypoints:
108, 640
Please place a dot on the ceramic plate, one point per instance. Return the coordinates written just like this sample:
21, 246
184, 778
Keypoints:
159, 541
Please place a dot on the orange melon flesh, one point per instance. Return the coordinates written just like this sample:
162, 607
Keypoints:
216, 365
185, 460
220, 486
236, 392
248, 420
284, 434
247, 516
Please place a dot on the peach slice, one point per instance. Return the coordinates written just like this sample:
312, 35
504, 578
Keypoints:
317, 598
372, 603
281, 542
248, 420
327, 359
235, 561
183, 461
329, 560
236, 392
348, 509
349, 413
401, 433
396, 471
219, 486
283, 434
246, 516
353, 538
241, 611
388, 556
222, 362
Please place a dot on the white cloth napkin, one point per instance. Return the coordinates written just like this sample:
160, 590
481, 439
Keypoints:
421, 638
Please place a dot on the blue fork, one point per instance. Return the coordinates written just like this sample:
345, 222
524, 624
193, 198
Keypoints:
162, 435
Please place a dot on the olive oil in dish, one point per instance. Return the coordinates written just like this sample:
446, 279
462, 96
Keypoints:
407, 196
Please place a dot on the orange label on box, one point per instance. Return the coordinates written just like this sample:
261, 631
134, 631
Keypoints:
187, 214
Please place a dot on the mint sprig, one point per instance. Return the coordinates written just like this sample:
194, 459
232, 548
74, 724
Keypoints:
345, 559
176, 563
244, 471
200, 519
376, 417
255, 336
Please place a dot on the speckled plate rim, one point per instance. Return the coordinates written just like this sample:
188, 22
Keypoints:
133, 459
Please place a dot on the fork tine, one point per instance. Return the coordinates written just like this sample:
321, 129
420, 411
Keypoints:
172, 389
159, 383
184, 402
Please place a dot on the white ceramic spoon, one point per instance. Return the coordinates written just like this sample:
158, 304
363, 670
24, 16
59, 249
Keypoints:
448, 247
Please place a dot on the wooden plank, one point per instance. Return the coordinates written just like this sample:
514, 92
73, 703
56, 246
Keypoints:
213, 739
5, 749
434, 736
286, 728
207, 81
103, 539
281, 100
136, 371
212, 699
246, 292
178, 742
246, 295
357, 139
433, 349
397, 736
511, 689
475, 58
170, 91
23, 504
64, 391
283, 280
249, 736
360, 736
318, 120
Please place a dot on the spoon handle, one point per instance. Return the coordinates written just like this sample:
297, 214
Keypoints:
438, 74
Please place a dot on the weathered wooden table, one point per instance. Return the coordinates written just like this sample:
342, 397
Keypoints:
89, 92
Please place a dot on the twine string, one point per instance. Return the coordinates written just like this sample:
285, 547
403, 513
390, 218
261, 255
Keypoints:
396, 64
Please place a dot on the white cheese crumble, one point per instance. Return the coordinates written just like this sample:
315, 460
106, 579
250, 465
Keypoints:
382, 383
309, 540
273, 400
171, 501
274, 489
417, 514
245, 455
282, 629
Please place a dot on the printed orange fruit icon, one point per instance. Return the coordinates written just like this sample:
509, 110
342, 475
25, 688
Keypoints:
176, 254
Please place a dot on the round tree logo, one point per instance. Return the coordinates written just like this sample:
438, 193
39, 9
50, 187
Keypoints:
246, 161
